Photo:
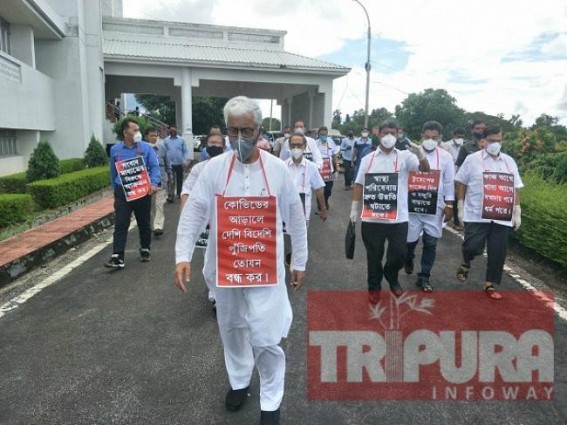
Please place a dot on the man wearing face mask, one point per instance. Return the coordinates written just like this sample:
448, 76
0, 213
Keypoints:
178, 155
246, 190
278, 144
159, 199
311, 153
488, 186
131, 147
430, 207
362, 147
403, 141
347, 149
476, 144
380, 197
454, 146
329, 170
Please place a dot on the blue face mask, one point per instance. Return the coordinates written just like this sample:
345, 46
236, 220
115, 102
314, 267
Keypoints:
243, 148
323, 138
477, 135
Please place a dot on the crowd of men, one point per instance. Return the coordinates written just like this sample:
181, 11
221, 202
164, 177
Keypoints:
253, 200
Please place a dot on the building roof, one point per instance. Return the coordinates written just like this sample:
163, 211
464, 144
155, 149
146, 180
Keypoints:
119, 48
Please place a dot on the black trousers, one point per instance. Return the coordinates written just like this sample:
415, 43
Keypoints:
123, 211
178, 177
374, 236
348, 172
495, 237
328, 191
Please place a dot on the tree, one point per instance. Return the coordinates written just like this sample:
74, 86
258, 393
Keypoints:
159, 107
431, 104
207, 111
276, 124
337, 118
95, 155
545, 120
43, 163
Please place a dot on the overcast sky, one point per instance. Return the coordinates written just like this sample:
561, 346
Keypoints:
495, 56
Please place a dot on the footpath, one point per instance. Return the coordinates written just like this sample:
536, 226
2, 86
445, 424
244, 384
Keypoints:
33, 248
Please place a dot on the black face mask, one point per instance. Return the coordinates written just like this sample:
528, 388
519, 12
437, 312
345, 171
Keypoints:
214, 150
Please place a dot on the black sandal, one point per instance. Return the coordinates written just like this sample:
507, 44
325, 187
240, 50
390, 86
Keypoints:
463, 272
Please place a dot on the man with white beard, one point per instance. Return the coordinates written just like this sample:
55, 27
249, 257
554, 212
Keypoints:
246, 196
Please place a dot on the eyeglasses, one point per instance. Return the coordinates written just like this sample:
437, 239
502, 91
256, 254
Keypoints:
296, 146
245, 132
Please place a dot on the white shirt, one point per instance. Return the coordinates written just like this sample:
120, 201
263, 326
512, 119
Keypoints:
444, 163
471, 175
306, 178
191, 179
328, 150
385, 163
311, 147
246, 180
451, 147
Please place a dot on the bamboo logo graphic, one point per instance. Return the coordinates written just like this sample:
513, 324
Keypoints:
446, 346
399, 307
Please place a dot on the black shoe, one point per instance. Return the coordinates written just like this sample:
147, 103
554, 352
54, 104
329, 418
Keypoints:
270, 418
409, 267
423, 283
158, 232
115, 262
145, 255
235, 399
396, 289
214, 307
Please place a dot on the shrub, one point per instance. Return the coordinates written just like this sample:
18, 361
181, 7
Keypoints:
142, 122
13, 183
43, 163
67, 188
14, 208
71, 165
95, 155
544, 224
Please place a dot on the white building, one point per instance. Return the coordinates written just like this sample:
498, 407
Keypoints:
61, 60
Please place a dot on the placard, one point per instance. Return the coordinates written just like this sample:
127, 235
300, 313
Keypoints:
134, 177
423, 192
380, 196
498, 196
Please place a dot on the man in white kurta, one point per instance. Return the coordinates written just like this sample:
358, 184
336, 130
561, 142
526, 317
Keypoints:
431, 225
252, 320
311, 152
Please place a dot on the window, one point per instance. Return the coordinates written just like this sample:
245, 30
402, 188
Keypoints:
4, 36
8, 145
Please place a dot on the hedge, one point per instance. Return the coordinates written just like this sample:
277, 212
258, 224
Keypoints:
14, 208
13, 183
544, 220
52, 193
71, 165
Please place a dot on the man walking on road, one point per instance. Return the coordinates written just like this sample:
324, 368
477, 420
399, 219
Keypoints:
160, 197
429, 204
380, 197
178, 155
329, 170
132, 148
489, 204
246, 196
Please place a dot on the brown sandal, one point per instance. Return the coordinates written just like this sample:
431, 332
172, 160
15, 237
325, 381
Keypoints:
490, 291
463, 272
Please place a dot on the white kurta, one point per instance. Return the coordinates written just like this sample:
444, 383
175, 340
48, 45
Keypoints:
471, 175
306, 178
441, 160
265, 311
311, 148
328, 150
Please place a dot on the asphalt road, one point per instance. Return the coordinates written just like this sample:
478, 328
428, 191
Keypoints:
126, 347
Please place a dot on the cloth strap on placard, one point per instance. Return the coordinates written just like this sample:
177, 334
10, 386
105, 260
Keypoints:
372, 160
489, 171
231, 167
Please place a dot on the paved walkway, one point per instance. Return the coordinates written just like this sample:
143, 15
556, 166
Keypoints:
28, 244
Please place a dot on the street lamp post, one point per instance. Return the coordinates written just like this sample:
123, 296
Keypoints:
367, 65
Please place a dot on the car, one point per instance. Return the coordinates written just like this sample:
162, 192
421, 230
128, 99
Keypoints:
197, 142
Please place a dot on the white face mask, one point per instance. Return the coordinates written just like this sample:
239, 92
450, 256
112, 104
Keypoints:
458, 142
493, 148
429, 145
364, 134
388, 141
300, 130
286, 135
297, 153
138, 137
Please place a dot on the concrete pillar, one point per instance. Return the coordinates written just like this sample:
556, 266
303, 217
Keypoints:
187, 109
289, 116
310, 94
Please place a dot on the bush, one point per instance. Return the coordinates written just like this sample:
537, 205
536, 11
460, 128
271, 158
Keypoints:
544, 224
71, 165
143, 123
13, 183
67, 188
43, 163
14, 208
95, 155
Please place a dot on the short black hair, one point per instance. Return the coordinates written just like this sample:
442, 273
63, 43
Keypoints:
151, 130
303, 139
477, 122
215, 134
323, 128
432, 125
125, 124
489, 131
459, 131
389, 124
